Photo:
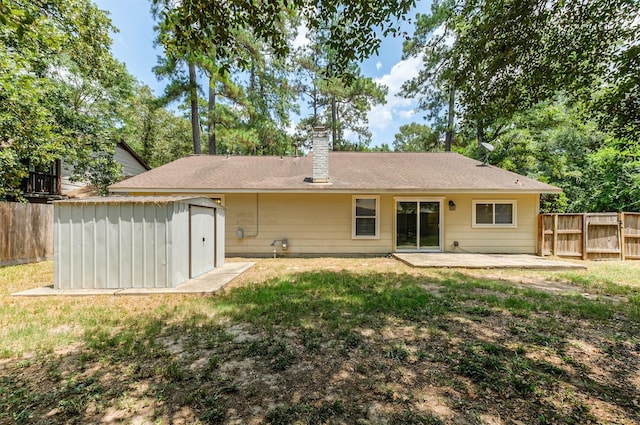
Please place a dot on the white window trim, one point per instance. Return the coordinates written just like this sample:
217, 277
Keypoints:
353, 215
513, 203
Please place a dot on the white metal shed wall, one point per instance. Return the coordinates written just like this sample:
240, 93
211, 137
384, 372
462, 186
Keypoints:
137, 243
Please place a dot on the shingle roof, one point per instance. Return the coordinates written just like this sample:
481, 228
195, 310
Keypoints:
348, 171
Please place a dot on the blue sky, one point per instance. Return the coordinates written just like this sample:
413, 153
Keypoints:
134, 46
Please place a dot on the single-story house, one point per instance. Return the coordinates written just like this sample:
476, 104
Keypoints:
355, 203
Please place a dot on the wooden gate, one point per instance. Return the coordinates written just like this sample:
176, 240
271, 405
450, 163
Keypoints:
631, 236
26, 233
590, 236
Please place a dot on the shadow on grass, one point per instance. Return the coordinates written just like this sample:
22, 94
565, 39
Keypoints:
338, 347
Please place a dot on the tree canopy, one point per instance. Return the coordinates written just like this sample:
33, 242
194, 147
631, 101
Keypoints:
61, 90
504, 57
354, 31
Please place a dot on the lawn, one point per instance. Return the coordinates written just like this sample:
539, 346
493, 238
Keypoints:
336, 341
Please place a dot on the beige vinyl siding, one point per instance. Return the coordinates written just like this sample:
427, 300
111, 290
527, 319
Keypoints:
312, 224
458, 226
322, 224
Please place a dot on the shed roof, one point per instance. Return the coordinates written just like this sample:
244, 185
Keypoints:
156, 200
348, 171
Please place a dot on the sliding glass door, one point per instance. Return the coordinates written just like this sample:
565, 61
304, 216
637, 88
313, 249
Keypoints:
418, 225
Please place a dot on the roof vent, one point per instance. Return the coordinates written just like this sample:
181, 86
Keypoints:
320, 155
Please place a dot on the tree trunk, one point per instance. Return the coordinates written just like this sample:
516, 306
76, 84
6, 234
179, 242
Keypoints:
195, 119
334, 123
480, 133
211, 110
448, 140
147, 139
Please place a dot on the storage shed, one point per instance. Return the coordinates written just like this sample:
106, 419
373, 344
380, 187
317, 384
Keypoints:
136, 242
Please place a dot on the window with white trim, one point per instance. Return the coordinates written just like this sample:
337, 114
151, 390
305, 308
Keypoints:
365, 217
494, 213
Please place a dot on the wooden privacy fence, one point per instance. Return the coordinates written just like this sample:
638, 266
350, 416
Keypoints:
590, 236
26, 233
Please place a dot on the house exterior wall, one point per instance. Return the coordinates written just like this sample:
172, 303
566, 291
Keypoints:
316, 224
322, 223
66, 184
130, 165
220, 251
519, 240
312, 224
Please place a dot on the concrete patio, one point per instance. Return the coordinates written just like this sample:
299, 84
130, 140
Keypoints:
208, 283
485, 261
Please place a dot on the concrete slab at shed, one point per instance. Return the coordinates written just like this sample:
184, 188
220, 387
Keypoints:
207, 283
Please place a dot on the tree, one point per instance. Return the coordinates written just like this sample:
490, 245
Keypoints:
434, 86
181, 84
172, 138
60, 89
552, 142
270, 96
350, 103
156, 134
616, 105
416, 137
257, 102
337, 103
506, 56
354, 32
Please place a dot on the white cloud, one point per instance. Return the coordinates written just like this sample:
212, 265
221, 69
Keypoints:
397, 107
291, 128
378, 65
407, 114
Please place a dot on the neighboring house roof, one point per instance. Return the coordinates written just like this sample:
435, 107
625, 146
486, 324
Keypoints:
348, 171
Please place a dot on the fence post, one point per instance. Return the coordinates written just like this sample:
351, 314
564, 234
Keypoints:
554, 240
621, 238
540, 235
585, 236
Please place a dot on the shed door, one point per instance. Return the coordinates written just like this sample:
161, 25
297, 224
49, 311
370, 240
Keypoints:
203, 232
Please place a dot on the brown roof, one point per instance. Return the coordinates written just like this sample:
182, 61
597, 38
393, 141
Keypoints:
348, 171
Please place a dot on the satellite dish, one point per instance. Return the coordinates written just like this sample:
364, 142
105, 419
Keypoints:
487, 146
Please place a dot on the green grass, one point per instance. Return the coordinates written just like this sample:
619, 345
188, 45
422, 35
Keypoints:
328, 346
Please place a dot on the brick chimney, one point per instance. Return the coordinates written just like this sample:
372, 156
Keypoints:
320, 155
